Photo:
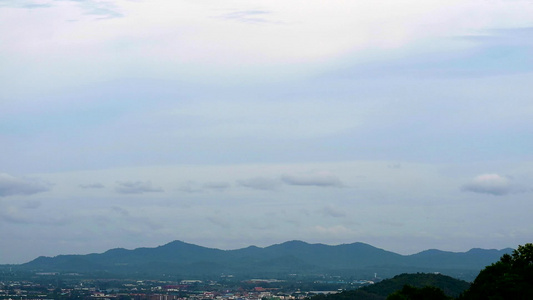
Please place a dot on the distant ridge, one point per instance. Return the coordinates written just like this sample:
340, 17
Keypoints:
279, 260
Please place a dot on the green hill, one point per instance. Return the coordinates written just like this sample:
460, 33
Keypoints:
452, 287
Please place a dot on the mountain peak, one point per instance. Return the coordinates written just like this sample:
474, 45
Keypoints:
295, 243
292, 245
175, 243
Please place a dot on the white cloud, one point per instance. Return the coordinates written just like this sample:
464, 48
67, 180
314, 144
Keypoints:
183, 34
10, 185
25, 4
136, 187
248, 16
322, 179
103, 9
493, 184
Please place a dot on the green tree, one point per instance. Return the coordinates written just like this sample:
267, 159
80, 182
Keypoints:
509, 278
409, 292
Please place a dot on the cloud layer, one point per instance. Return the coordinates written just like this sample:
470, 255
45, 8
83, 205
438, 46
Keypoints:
10, 185
230, 123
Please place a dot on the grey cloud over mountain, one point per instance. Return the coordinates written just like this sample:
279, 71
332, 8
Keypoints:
136, 187
11, 185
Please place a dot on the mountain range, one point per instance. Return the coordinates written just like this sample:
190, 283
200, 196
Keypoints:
293, 258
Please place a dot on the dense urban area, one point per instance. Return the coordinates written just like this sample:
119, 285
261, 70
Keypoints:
74, 286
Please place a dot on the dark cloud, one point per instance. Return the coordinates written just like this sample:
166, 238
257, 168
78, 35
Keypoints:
260, 183
322, 179
10, 185
136, 187
492, 184
92, 186
195, 187
217, 185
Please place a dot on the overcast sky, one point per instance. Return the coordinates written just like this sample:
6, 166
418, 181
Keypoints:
407, 124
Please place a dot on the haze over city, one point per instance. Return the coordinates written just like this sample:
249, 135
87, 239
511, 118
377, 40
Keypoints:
406, 125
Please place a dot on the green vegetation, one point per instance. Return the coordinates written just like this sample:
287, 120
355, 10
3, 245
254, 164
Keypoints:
412, 293
509, 278
405, 286
450, 286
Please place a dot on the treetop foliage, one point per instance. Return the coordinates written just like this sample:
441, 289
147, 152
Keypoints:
509, 278
412, 293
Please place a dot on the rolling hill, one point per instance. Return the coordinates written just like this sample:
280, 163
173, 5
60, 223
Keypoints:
293, 257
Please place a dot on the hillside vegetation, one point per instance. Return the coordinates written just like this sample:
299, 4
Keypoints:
450, 286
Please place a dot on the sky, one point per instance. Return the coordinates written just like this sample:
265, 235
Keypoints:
405, 124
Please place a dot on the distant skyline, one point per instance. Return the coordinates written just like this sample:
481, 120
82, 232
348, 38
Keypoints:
406, 125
